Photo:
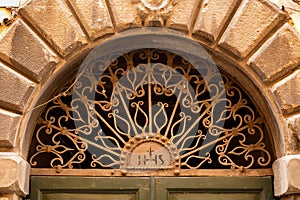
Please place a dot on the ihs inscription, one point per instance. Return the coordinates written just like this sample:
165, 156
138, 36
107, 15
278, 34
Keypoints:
150, 155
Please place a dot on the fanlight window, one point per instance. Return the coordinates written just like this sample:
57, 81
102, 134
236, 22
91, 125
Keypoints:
151, 109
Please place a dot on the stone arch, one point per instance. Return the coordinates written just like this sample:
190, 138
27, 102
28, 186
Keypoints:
49, 37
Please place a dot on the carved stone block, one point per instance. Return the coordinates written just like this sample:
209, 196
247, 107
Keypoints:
15, 89
293, 137
94, 16
55, 21
14, 173
286, 175
182, 15
212, 18
23, 49
9, 123
244, 32
124, 14
288, 93
153, 12
10, 197
285, 46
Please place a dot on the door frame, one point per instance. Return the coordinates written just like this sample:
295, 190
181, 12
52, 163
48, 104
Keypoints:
152, 188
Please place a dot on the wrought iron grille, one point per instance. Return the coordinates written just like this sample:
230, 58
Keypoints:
151, 110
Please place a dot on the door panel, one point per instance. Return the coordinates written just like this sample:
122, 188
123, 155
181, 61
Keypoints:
68, 196
211, 196
87, 188
213, 188
151, 188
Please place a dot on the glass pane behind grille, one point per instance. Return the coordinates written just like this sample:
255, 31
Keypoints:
151, 109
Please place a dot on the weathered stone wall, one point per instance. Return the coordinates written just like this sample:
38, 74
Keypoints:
48, 36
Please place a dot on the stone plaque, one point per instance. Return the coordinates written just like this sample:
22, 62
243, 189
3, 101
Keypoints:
150, 155
150, 152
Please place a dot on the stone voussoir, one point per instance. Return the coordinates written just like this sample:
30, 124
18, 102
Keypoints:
287, 93
15, 89
245, 32
94, 16
14, 174
124, 14
56, 23
182, 15
281, 53
212, 17
10, 197
24, 50
286, 175
9, 123
293, 137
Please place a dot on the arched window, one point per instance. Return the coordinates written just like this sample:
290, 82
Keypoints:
151, 109
151, 104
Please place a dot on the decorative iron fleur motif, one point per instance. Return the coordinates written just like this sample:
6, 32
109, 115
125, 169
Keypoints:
154, 12
151, 110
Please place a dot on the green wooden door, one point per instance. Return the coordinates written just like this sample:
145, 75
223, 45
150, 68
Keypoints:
213, 188
151, 188
89, 188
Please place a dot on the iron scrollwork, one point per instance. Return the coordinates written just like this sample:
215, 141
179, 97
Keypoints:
151, 108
